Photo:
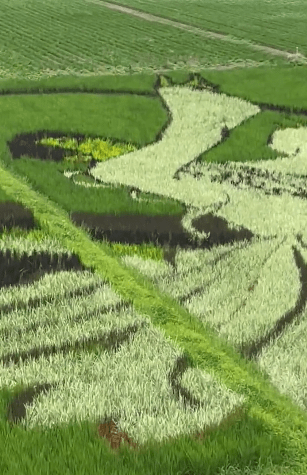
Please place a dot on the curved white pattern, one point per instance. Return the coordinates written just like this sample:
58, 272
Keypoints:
198, 117
193, 131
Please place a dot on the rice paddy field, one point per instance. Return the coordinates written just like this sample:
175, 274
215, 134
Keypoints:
153, 243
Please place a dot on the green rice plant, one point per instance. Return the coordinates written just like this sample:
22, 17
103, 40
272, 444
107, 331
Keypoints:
148, 251
98, 149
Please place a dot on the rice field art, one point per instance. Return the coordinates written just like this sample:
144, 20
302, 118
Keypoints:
153, 249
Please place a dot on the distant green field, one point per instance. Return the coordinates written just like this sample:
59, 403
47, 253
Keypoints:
278, 24
85, 37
